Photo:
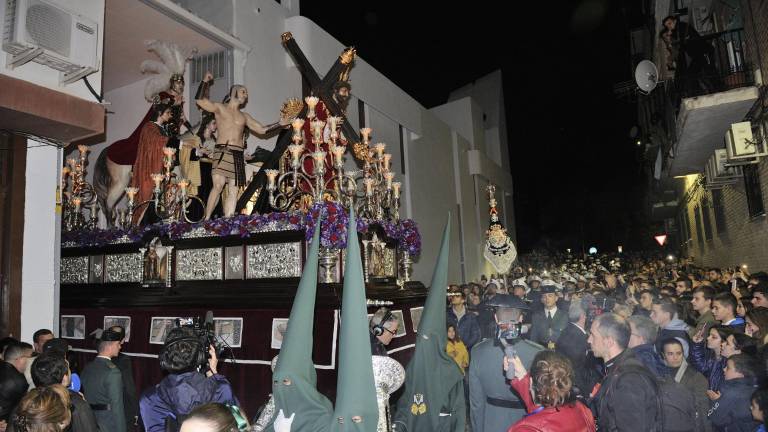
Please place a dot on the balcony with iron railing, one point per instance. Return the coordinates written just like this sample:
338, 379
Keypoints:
713, 89
715, 63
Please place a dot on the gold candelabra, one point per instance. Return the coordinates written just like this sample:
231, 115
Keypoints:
77, 193
377, 196
170, 200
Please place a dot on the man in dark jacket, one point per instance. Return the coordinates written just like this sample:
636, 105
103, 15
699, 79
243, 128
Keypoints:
731, 411
464, 321
642, 342
184, 388
548, 322
573, 344
51, 368
625, 401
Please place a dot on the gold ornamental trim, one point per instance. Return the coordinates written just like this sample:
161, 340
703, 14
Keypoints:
348, 55
361, 152
285, 37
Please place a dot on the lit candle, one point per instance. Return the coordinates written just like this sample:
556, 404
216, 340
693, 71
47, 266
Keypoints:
338, 151
271, 176
295, 150
76, 201
317, 131
351, 186
183, 183
387, 159
311, 103
379, 147
157, 178
396, 189
319, 158
131, 192
368, 186
297, 124
333, 122
388, 176
365, 133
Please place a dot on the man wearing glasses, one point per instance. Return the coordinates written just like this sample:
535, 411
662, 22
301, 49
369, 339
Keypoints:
383, 326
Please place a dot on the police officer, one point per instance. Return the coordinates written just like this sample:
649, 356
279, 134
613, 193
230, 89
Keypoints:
548, 323
493, 406
103, 384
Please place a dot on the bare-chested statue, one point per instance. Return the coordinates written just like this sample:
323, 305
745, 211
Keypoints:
228, 159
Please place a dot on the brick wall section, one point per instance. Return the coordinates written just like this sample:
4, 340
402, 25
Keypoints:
760, 17
745, 239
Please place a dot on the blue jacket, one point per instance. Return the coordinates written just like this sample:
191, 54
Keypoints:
731, 413
468, 327
647, 355
178, 394
705, 362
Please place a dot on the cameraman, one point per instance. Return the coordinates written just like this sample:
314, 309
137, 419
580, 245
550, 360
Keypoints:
164, 406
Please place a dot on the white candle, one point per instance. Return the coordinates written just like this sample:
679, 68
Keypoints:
379, 147
396, 189
388, 176
368, 186
271, 176
365, 133
386, 160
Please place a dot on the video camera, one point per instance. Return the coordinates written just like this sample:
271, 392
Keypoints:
204, 332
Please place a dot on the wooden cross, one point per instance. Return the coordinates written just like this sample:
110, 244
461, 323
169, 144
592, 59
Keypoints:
323, 89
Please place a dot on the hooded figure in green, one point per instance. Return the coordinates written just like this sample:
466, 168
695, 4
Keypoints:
433, 399
300, 407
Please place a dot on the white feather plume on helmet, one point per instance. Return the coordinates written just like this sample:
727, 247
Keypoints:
173, 60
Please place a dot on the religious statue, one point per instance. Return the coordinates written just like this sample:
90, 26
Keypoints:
112, 173
154, 262
333, 91
228, 158
149, 158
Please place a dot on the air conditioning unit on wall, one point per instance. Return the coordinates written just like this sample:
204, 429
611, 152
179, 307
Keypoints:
45, 33
742, 146
718, 173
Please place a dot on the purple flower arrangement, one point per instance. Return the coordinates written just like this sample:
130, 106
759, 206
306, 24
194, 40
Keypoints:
333, 232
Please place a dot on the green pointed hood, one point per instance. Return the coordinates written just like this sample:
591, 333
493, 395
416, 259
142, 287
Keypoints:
433, 380
433, 318
355, 387
294, 382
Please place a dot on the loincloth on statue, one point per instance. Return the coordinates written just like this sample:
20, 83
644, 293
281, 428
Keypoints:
228, 161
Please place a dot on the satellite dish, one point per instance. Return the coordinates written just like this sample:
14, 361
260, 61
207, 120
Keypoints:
646, 76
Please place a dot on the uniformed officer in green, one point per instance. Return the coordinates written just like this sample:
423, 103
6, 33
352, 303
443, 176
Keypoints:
103, 384
493, 405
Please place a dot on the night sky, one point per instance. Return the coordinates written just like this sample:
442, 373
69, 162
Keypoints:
576, 170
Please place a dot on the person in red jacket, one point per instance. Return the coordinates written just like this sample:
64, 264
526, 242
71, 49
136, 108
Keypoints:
546, 393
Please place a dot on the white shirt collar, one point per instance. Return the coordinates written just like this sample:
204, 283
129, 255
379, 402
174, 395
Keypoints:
579, 327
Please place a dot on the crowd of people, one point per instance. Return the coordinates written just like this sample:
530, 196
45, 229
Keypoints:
616, 343
620, 343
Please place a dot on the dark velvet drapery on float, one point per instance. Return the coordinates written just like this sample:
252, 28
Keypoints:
250, 375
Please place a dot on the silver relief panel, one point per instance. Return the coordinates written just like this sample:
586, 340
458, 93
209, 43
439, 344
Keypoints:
199, 264
123, 268
74, 270
274, 260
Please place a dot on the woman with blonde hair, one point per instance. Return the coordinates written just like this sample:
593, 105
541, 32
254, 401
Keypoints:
43, 409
